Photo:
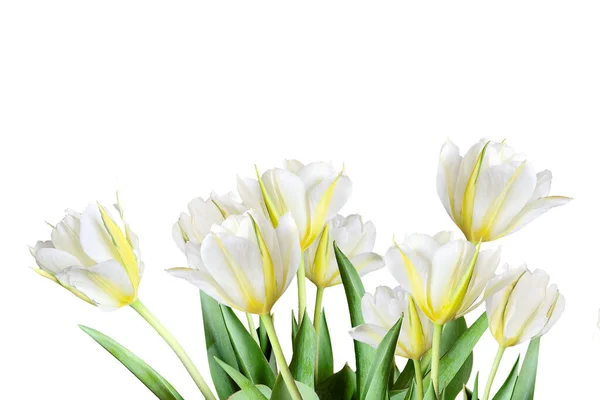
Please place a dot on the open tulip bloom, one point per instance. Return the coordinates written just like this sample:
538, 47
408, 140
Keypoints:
244, 249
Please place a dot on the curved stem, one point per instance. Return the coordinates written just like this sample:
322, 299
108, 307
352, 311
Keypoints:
252, 328
435, 358
488, 386
281, 362
301, 277
317, 325
174, 344
418, 379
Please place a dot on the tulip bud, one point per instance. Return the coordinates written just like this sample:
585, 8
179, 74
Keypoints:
356, 240
313, 194
382, 310
94, 255
244, 263
492, 191
446, 277
520, 305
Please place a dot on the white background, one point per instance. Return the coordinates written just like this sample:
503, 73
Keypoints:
165, 101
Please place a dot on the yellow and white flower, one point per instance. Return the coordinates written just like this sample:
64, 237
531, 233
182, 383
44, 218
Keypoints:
194, 227
446, 277
312, 193
492, 191
95, 255
244, 263
382, 310
521, 305
356, 240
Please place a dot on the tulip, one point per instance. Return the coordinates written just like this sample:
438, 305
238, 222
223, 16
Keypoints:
94, 255
520, 306
381, 311
202, 215
312, 193
247, 264
446, 278
492, 191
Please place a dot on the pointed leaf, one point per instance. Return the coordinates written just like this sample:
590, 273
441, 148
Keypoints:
148, 376
506, 390
339, 386
243, 396
266, 348
476, 388
355, 290
280, 391
305, 349
377, 381
217, 345
452, 331
406, 376
250, 358
294, 326
325, 363
525, 385
248, 387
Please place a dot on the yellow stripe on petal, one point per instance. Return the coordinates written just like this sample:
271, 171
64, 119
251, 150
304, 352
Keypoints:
469, 196
321, 261
416, 329
319, 214
271, 209
457, 296
123, 246
416, 284
267, 264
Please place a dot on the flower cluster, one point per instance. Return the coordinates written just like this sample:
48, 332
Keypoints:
244, 249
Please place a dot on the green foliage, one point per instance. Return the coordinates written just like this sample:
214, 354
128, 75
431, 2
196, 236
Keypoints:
325, 362
339, 386
525, 385
506, 390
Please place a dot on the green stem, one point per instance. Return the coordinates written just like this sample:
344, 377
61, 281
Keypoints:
301, 277
280, 358
174, 344
435, 358
317, 324
419, 379
488, 386
252, 328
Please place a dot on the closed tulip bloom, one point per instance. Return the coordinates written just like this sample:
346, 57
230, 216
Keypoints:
312, 193
356, 240
446, 277
382, 310
492, 191
95, 255
194, 227
522, 305
244, 263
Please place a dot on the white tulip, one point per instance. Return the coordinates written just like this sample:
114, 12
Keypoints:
446, 277
492, 191
94, 255
382, 310
244, 263
194, 227
312, 193
521, 306
354, 238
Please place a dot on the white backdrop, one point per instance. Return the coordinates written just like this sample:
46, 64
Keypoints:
165, 101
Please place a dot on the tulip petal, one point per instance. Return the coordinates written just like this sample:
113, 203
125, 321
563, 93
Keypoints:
288, 193
293, 165
532, 211
106, 284
447, 175
55, 261
369, 334
65, 236
95, 240
542, 187
249, 191
288, 251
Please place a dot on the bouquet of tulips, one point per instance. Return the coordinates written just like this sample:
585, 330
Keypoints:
244, 250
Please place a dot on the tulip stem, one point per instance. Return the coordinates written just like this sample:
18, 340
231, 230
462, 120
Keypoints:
435, 358
252, 328
267, 321
174, 344
495, 365
301, 276
317, 324
418, 379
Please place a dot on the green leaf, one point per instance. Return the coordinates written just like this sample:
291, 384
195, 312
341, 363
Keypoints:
243, 396
453, 360
476, 388
355, 290
294, 326
148, 376
525, 385
325, 363
250, 358
217, 345
401, 394
302, 366
506, 390
452, 331
339, 386
280, 391
266, 348
248, 387
376, 385
406, 376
